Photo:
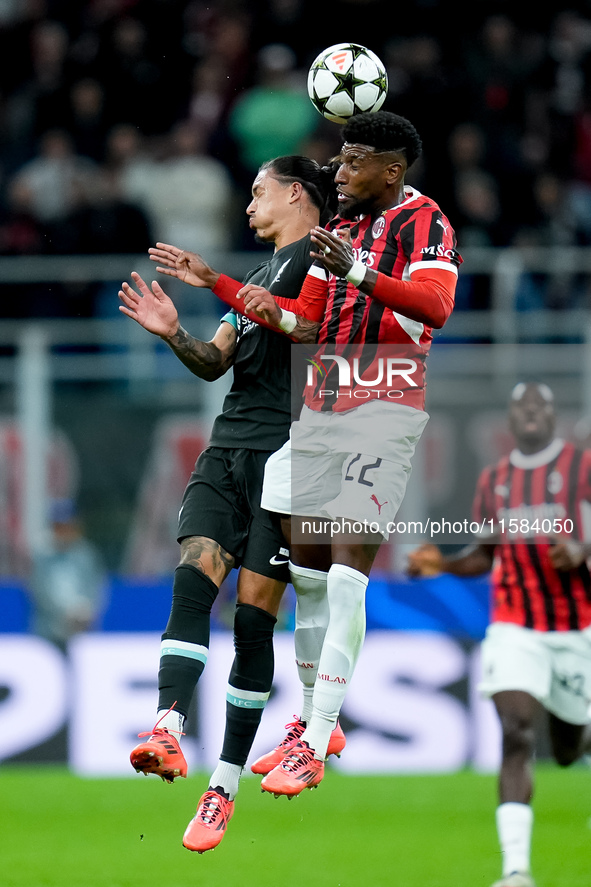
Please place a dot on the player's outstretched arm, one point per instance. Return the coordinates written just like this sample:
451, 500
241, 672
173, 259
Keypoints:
260, 302
151, 308
156, 313
189, 267
427, 298
297, 318
208, 360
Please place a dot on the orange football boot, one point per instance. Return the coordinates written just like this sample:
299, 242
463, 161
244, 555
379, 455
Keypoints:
208, 826
266, 763
298, 770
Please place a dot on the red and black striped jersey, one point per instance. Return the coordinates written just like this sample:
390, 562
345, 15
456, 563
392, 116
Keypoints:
532, 500
411, 235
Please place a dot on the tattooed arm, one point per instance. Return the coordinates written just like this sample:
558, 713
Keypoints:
155, 312
305, 331
258, 304
208, 360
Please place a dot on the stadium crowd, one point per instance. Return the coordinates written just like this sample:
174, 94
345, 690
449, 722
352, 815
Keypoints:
130, 121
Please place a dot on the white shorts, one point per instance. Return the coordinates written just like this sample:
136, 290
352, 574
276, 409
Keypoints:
353, 465
552, 666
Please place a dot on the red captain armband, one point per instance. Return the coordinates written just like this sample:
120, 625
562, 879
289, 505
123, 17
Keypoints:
226, 289
311, 302
428, 297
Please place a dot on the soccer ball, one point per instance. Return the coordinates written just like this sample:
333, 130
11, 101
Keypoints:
347, 79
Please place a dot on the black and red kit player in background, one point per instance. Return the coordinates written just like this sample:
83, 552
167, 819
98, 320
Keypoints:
384, 275
537, 649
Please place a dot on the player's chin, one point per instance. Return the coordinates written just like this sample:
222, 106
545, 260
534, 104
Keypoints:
349, 209
264, 235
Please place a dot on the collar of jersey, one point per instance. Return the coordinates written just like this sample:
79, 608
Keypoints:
411, 193
534, 460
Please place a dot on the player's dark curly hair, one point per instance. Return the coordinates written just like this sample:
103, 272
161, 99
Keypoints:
384, 131
318, 181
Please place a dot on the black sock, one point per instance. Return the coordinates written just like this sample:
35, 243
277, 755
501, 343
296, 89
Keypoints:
193, 595
252, 670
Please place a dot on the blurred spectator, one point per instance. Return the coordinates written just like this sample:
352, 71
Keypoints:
467, 147
499, 58
466, 152
87, 121
96, 218
275, 116
68, 580
561, 218
186, 195
21, 232
419, 80
56, 176
276, 20
103, 222
478, 221
221, 34
132, 78
210, 94
127, 156
561, 85
40, 102
553, 223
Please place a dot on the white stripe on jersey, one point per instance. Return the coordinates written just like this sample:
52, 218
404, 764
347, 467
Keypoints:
318, 271
445, 266
413, 328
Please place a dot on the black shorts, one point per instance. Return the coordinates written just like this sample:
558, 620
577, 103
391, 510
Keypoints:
222, 502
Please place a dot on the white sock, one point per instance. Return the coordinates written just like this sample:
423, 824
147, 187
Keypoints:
171, 720
342, 644
514, 828
308, 701
311, 621
227, 777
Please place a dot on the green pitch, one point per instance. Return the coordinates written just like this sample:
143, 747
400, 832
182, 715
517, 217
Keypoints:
401, 831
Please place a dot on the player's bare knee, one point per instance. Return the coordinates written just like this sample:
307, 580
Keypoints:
260, 591
518, 737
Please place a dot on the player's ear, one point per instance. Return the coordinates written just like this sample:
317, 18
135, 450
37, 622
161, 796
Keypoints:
296, 191
394, 172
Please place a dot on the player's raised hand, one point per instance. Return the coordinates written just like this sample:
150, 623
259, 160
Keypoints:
189, 267
260, 301
332, 250
151, 307
426, 560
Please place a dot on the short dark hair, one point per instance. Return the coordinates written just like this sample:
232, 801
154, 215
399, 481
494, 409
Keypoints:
384, 131
317, 181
